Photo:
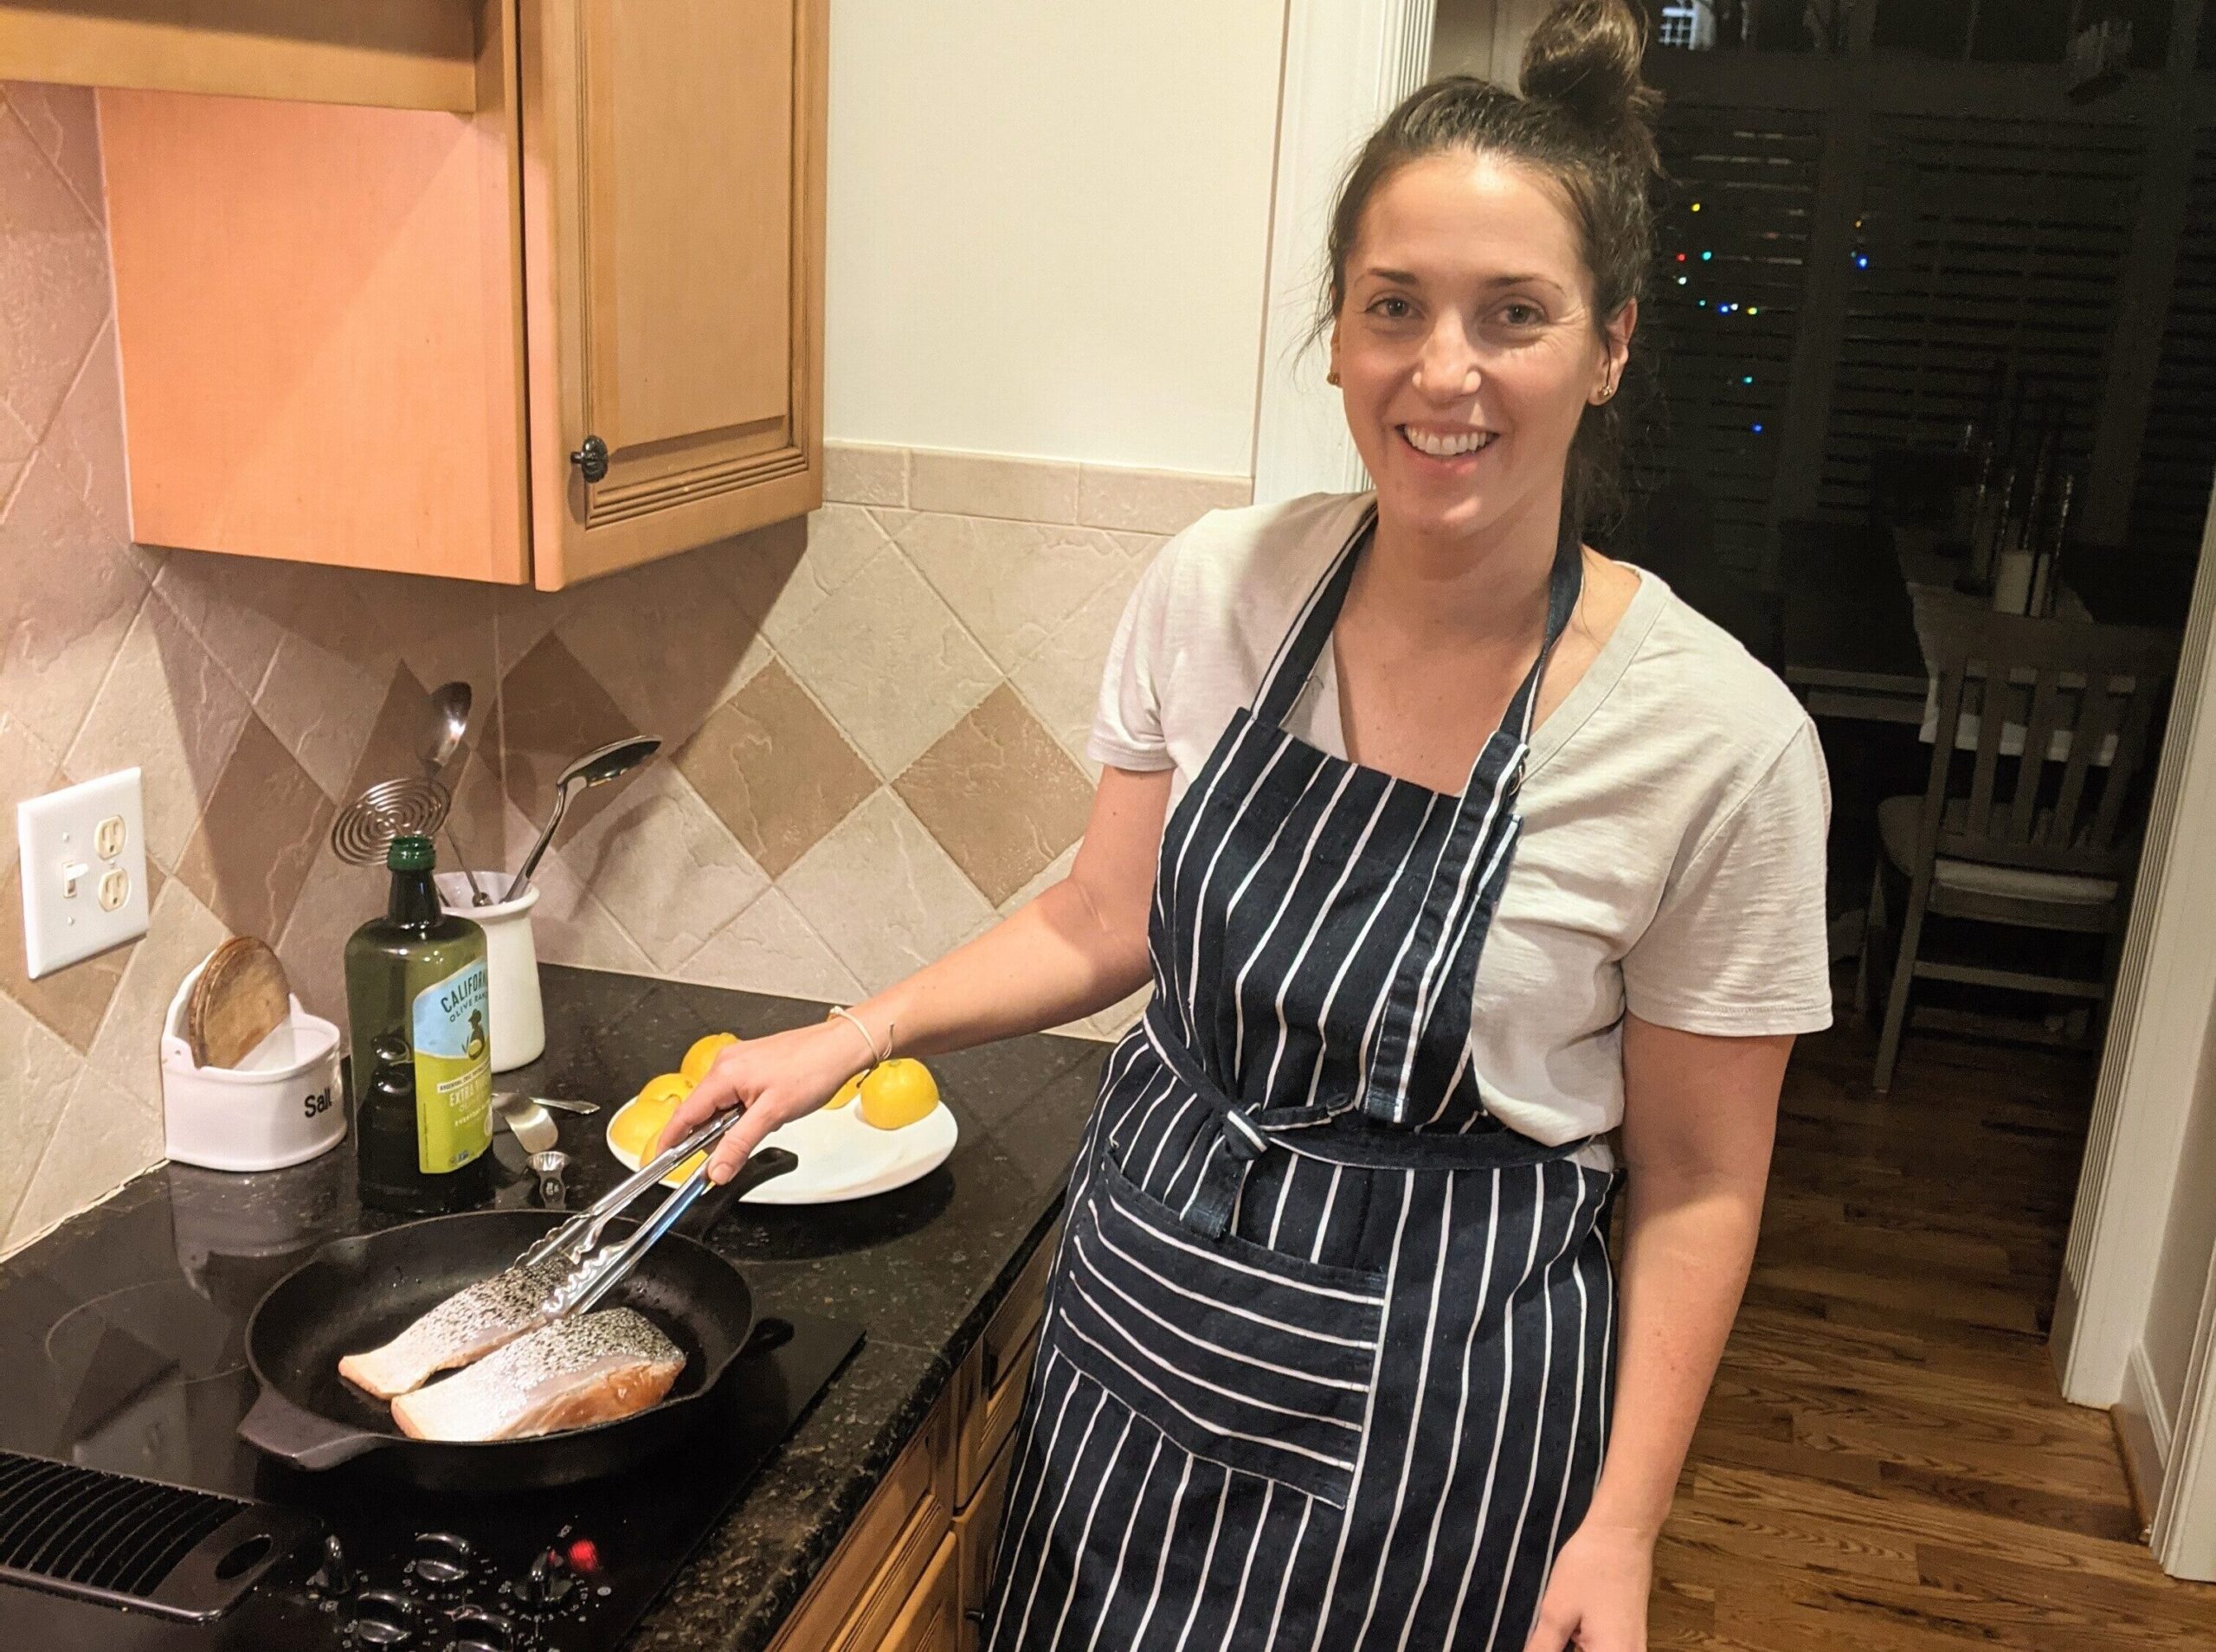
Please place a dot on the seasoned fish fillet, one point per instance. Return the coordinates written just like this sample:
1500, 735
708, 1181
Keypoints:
588, 1368
467, 1326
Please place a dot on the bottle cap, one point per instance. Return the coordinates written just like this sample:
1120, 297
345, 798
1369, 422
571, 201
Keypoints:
410, 853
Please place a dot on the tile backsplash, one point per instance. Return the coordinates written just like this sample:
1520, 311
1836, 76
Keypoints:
873, 720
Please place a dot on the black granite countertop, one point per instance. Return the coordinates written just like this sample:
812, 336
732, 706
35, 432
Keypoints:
921, 1268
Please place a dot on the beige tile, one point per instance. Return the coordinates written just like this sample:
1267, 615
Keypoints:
29, 767
856, 473
168, 708
85, 438
665, 867
105, 1136
62, 122
1043, 879
552, 712
181, 932
70, 590
988, 484
783, 581
335, 900
570, 926
770, 948
70, 1001
888, 659
54, 278
1153, 501
1062, 681
999, 794
1141, 547
233, 605
1111, 1024
41, 1071
884, 896
1012, 583
670, 641
774, 770
323, 706
264, 826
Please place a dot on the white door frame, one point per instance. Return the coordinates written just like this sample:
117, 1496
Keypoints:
1347, 62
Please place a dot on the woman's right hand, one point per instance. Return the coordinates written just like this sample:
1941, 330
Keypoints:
774, 1079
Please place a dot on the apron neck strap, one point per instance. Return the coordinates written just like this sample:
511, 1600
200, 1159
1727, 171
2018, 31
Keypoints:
1310, 633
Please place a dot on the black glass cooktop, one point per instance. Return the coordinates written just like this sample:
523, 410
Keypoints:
123, 1352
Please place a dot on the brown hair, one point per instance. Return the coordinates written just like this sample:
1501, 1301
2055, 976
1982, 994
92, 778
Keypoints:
1585, 121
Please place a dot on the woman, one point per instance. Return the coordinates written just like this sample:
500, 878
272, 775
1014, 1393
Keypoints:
1332, 1351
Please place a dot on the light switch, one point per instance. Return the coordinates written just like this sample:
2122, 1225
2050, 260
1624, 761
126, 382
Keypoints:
83, 856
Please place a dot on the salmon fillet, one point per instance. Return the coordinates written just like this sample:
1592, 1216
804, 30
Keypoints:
466, 1326
588, 1368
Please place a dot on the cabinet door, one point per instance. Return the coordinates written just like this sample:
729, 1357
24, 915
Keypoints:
932, 1619
674, 269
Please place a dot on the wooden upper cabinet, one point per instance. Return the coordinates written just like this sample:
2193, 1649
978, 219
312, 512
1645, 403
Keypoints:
400, 338
673, 233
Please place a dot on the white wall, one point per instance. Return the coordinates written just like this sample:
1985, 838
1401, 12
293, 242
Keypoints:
1047, 226
2188, 1241
1484, 37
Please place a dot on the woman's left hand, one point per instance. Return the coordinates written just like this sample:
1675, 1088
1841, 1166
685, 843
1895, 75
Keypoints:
1596, 1596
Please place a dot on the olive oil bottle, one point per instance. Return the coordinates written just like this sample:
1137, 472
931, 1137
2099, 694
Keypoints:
422, 1066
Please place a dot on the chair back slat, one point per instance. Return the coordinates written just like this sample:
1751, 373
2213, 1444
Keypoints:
2047, 708
2067, 714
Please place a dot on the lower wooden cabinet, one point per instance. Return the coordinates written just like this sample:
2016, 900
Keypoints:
911, 1573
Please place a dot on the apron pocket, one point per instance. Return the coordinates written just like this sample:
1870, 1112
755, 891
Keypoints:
1241, 1355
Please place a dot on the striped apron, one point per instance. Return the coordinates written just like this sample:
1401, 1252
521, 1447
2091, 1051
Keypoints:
1329, 1350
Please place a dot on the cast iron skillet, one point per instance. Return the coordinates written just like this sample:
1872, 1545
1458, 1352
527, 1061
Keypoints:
362, 1291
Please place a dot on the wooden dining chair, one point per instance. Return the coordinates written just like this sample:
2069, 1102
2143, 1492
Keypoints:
2032, 812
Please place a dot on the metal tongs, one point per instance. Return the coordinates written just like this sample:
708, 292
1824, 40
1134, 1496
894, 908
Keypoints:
594, 1271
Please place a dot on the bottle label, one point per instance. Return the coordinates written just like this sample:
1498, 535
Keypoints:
454, 1071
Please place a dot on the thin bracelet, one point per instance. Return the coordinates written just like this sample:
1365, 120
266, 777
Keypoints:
855, 1022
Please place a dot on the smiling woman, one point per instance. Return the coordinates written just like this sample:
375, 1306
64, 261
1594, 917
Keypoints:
1332, 1355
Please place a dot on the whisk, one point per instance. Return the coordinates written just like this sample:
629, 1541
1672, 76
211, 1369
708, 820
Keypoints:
416, 807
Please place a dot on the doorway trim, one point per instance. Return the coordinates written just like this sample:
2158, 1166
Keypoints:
1347, 63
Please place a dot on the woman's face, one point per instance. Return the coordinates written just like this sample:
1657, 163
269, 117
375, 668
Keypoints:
1466, 346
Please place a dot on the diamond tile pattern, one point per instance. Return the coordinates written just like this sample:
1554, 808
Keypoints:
873, 721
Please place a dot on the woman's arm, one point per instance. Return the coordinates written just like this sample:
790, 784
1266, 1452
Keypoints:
1700, 1115
1078, 948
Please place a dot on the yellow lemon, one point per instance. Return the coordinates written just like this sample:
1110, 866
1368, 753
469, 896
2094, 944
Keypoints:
702, 1056
897, 1093
637, 1126
669, 1087
848, 1091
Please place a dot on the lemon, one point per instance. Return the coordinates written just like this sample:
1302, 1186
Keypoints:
848, 1091
669, 1087
636, 1127
897, 1093
702, 1056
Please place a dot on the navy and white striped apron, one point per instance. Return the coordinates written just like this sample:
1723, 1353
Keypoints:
1329, 1350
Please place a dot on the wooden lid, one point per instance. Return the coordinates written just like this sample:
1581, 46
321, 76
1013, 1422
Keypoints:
240, 997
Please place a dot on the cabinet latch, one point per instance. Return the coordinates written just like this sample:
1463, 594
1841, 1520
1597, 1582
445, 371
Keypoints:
591, 459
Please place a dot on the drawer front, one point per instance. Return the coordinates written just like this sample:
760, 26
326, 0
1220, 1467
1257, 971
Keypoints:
853, 1605
974, 1529
932, 1619
992, 1378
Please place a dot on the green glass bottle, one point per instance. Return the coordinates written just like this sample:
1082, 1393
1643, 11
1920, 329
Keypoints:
422, 1064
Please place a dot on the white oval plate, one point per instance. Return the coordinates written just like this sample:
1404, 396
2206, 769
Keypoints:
839, 1156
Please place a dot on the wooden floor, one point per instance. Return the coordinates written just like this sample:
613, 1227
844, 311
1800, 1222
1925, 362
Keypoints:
1886, 1463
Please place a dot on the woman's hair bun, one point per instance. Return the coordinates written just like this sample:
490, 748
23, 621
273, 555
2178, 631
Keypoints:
1584, 59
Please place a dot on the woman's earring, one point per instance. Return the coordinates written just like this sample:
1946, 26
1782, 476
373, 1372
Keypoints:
1331, 375
1608, 390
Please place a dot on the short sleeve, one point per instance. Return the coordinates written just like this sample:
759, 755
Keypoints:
1127, 731
1739, 947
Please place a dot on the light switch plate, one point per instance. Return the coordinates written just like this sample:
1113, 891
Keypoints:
83, 855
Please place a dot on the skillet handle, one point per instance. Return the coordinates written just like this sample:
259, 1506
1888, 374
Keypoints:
300, 1437
763, 1164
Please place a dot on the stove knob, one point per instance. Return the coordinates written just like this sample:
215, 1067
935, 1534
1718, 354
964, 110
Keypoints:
441, 1562
548, 1585
334, 1576
481, 1631
381, 1618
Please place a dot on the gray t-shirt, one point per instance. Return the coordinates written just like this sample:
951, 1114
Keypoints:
1675, 807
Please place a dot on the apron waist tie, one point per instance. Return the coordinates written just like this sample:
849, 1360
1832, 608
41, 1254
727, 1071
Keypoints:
1245, 1133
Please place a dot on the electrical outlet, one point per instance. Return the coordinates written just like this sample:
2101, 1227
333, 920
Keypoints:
83, 856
